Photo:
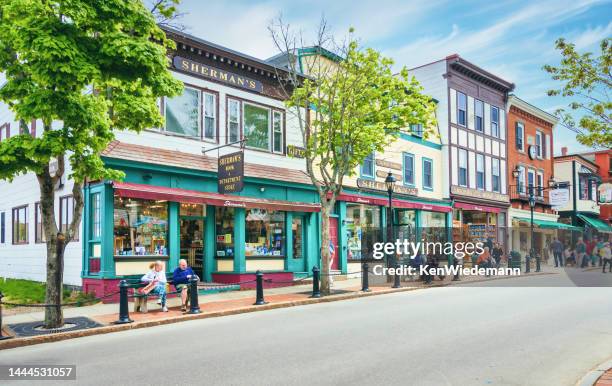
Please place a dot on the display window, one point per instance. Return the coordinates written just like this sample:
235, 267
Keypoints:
224, 226
297, 228
265, 233
433, 226
363, 229
140, 227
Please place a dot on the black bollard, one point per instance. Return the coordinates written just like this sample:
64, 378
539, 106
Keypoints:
365, 286
124, 312
2, 337
527, 263
193, 295
260, 295
396, 277
538, 264
316, 290
455, 264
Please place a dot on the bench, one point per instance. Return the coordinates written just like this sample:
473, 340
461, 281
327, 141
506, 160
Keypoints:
140, 300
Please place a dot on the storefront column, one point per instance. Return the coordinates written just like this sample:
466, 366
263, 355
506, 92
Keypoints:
107, 262
174, 236
383, 222
449, 233
239, 240
312, 235
288, 240
85, 232
342, 237
209, 244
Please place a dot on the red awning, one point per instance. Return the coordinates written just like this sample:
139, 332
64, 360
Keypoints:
479, 208
421, 206
362, 199
150, 192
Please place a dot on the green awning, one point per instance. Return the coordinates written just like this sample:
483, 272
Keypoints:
596, 223
545, 224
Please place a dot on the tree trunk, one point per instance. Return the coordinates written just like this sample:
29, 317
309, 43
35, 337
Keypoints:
326, 207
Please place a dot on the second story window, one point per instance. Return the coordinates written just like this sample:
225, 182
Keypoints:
233, 120
263, 128
494, 121
408, 169
461, 109
479, 112
5, 131
427, 174
20, 225
416, 129
519, 133
183, 113
495, 178
277, 132
367, 168
210, 116
538, 144
462, 167
480, 173
530, 180
540, 184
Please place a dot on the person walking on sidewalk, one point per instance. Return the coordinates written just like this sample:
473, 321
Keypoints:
606, 256
497, 254
581, 257
557, 250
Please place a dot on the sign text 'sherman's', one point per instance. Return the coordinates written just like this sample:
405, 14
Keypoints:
217, 74
231, 173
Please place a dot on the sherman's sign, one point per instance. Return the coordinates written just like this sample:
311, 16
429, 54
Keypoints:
462, 191
231, 173
376, 185
217, 74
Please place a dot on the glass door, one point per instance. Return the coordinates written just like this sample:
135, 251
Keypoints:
192, 222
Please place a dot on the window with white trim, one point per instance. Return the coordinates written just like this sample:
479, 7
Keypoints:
540, 184
495, 175
494, 121
367, 168
2, 228
258, 127
20, 225
462, 172
427, 173
278, 132
461, 108
519, 134
521, 180
66, 215
408, 169
210, 116
538, 143
233, 120
479, 113
182, 113
480, 173
530, 179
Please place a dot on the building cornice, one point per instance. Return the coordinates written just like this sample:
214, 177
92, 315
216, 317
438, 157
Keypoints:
530, 109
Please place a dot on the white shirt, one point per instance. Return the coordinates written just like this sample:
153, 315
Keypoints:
153, 275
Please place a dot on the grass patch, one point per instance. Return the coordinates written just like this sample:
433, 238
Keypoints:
33, 292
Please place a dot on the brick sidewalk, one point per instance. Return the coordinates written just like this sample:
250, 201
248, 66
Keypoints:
605, 379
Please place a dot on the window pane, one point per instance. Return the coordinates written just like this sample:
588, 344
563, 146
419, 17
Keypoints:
234, 121
278, 132
367, 169
427, 177
257, 126
362, 229
210, 112
95, 208
265, 233
298, 242
140, 227
183, 113
224, 220
408, 169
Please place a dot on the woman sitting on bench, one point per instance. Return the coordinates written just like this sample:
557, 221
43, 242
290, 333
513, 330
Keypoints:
156, 283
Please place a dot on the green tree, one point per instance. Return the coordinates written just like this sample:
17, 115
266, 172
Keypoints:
84, 68
356, 105
586, 81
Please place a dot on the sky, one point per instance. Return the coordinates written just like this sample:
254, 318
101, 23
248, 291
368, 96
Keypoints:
512, 39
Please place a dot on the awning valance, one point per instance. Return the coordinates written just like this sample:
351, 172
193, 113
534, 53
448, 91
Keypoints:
479, 208
397, 203
421, 206
545, 224
596, 223
151, 192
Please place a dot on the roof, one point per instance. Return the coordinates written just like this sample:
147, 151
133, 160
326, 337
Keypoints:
531, 109
468, 68
561, 158
156, 156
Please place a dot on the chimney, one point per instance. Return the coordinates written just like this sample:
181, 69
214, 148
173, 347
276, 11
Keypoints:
564, 150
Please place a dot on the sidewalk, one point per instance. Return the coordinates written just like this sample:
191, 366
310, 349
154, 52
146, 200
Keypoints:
218, 304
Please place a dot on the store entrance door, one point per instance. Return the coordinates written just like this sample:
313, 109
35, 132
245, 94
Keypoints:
192, 243
333, 239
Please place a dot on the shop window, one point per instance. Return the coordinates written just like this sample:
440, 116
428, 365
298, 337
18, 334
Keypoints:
480, 173
495, 175
233, 120
494, 121
210, 116
20, 225
461, 108
363, 229
257, 126
479, 112
519, 134
427, 174
278, 132
66, 214
96, 224
433, 226
367, 168
224, 224
39, 234
265, 233
298, 237
462, 167
2, 228
408, 169
140, 227
183, 113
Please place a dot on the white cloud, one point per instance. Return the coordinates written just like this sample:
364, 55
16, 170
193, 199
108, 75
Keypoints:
591, 36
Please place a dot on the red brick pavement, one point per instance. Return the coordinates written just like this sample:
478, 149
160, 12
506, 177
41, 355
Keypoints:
605, 379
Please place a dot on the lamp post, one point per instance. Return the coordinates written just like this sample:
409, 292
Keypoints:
516, 173
532, 251
390, 184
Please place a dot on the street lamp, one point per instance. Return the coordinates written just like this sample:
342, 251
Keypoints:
532, 202
390, 184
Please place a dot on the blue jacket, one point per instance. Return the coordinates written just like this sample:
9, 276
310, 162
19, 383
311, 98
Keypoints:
180, 275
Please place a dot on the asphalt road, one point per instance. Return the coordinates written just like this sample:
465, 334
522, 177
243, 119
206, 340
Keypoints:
441, 336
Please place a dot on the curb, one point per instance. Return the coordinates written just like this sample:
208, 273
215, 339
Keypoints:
33, 340
592, 376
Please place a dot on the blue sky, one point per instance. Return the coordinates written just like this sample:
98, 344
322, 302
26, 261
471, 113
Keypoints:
512, 39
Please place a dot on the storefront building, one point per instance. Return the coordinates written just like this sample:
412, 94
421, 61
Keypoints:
603, 159
530, 147
169, 207
472, 120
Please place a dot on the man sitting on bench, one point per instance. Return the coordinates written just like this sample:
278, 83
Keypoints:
181, 278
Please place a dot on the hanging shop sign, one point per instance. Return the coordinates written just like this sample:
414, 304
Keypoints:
558, 197
217, 74
377, 185
231, 173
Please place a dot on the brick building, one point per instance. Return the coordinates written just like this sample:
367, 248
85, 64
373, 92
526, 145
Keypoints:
603, 159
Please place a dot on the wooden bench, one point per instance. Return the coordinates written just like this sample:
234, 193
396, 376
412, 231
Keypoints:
140, 300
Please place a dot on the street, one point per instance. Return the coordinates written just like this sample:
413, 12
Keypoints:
466, 335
